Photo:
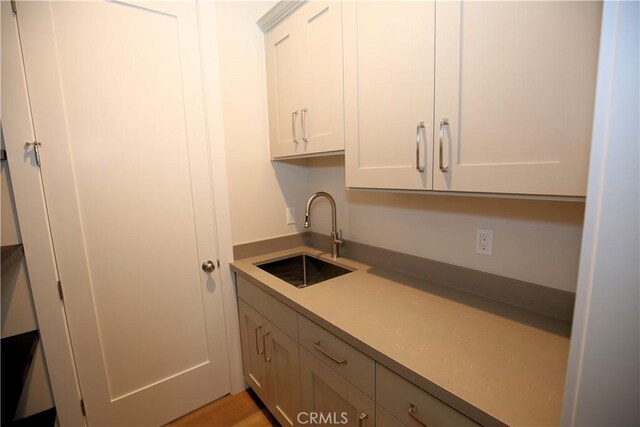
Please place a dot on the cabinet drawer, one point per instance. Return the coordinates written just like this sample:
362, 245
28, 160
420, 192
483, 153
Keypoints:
413, 406
277, 312
337, 354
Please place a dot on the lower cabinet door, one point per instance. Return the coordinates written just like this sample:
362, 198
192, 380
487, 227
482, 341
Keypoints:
252, 329
283, 381
329, 399
385, 419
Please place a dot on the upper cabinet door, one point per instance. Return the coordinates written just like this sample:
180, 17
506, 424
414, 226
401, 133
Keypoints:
283, 87
389, 89
304, 82
515, 85
322, 106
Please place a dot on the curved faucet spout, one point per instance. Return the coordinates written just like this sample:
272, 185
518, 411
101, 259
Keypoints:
336, 237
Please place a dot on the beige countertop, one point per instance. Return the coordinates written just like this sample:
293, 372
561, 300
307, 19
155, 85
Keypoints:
493, 362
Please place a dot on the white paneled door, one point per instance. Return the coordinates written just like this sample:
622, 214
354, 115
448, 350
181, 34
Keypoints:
118, 106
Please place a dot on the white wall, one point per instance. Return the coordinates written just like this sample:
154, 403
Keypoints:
603, 378
259, 190
535, 241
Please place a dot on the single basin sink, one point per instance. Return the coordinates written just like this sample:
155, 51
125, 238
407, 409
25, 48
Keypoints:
303, 270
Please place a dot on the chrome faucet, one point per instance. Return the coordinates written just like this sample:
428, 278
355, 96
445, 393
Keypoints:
336, 236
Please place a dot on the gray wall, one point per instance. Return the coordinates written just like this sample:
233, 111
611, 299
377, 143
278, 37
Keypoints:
534, 241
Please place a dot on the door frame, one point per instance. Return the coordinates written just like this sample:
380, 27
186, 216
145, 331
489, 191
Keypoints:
34, 227
608, 272
34, 223
209, 58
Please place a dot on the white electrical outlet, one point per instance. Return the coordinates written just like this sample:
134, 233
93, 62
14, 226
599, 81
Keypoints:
291, 215
484, 242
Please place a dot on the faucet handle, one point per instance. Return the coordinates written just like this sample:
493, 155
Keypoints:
338, 237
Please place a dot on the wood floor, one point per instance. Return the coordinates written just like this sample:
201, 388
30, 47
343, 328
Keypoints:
243, 409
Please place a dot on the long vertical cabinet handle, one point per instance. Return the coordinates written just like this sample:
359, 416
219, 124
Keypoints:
443, 123
303, 124
257, 343
418, 128
264, 347
293, 125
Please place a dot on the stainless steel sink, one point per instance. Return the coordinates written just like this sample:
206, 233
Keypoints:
303, 270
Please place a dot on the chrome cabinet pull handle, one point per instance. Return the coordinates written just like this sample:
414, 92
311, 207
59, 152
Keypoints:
264, 347
303, 120
257, 344
293, 125
340, 361
413, 412
443, 123
418, 128
361, 418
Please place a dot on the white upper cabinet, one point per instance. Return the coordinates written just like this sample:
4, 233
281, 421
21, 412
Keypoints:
304, 82
389, 86
283, 86
515, 85
504, 90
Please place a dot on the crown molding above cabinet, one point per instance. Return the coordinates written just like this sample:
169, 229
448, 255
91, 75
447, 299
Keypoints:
279, 12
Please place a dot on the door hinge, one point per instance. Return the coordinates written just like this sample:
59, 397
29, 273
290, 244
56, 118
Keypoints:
60, 293
82, 408
36, 150
14, 6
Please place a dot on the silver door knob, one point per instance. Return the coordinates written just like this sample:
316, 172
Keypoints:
208, 266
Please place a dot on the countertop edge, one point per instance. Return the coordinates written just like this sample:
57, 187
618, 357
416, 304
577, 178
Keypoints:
439, 392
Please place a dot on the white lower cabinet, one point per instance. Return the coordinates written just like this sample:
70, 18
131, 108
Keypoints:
344, 359
385, 419
271, 364
411, 405
255, 368
306, 375
283, 377
330, 398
